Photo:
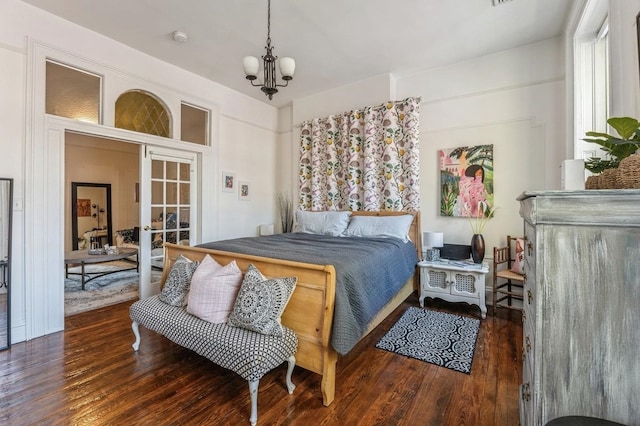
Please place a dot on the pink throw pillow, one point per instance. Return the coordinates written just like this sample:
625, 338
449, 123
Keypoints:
518, 263
213, 290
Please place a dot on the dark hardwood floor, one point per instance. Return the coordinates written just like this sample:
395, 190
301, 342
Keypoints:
89, 375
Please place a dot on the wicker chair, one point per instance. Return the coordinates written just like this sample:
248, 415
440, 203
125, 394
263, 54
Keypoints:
507, 284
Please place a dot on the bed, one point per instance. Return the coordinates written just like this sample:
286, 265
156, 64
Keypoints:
311, 310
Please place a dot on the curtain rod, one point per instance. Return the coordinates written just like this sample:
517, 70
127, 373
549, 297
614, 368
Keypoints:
376, 107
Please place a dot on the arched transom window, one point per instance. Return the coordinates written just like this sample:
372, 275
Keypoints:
142, 112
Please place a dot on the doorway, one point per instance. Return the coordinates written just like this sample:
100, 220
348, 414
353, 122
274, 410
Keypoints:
100, 202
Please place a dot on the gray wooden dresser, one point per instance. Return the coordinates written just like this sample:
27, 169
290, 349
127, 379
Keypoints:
581, 333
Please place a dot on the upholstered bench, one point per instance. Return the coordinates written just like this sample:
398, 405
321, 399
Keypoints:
248, 353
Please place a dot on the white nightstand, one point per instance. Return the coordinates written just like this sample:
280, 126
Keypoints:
454, 281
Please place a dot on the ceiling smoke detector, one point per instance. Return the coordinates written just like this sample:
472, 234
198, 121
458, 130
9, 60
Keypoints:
499, 2
180, 36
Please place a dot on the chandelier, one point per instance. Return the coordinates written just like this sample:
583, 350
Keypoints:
252, 65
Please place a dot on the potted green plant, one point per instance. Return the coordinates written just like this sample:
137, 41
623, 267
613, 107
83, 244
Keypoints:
618, 147
626, 143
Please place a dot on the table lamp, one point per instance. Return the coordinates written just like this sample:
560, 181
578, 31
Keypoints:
432, 241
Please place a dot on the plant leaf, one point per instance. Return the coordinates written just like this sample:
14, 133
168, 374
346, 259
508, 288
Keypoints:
625, 126
599, 135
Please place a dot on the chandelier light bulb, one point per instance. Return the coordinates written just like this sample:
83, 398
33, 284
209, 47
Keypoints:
287, 68
251, 66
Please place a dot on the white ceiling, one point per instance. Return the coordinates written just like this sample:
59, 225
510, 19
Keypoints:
334, 42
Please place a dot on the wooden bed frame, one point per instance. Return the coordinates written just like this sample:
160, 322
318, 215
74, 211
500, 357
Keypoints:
310, 311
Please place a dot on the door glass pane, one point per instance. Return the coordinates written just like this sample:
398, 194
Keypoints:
157, 169
157, 193
185, 172
172, 193
156, 214
172, 170
184, 193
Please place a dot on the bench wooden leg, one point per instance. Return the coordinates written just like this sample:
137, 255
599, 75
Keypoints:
253, 391
136, 332
292, 364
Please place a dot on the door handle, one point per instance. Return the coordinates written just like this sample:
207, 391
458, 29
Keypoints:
147, 228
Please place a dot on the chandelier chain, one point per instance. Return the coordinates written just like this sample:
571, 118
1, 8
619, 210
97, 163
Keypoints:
268, 22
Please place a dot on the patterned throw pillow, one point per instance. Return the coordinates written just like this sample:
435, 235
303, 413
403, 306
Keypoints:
176, 287
518, 263
213, 290
261, 302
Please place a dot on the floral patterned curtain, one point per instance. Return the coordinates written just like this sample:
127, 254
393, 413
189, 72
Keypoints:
362, 160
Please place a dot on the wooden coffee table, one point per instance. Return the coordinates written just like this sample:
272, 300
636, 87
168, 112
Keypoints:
82, 258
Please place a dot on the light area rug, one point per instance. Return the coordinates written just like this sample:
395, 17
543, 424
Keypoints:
438, 338
103, 291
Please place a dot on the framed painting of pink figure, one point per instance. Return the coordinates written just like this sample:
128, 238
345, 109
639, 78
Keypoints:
466, 181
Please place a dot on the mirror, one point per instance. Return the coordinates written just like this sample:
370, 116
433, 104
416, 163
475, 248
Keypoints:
6, 207
90, 215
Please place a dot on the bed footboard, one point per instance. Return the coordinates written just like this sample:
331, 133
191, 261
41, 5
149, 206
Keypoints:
309, 312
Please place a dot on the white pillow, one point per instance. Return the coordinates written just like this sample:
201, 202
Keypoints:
380, 226
325, 223
213, 290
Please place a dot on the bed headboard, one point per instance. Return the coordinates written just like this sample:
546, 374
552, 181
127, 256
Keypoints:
415, 231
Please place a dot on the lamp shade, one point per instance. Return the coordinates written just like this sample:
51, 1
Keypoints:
287, 67
432, 239
266, 229
251, 65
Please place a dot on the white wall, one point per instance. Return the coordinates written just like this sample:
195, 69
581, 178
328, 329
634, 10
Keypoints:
513, 100
244, 135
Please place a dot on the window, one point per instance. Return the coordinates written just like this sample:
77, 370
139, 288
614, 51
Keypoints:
592, 81
72, 93
194, 125
142, 112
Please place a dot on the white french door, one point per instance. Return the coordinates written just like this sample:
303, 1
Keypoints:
168, 207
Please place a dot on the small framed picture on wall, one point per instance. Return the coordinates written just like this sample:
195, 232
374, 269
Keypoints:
228, 182
244, 191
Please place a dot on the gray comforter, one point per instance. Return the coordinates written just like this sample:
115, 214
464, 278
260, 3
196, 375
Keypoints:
369, 272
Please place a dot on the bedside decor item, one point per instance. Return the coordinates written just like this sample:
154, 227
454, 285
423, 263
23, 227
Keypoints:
438, 338
432, 241
252, 65
477, 248
455, 251
478, 221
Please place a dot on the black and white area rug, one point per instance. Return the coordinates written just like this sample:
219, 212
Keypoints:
438, 338
103, 291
